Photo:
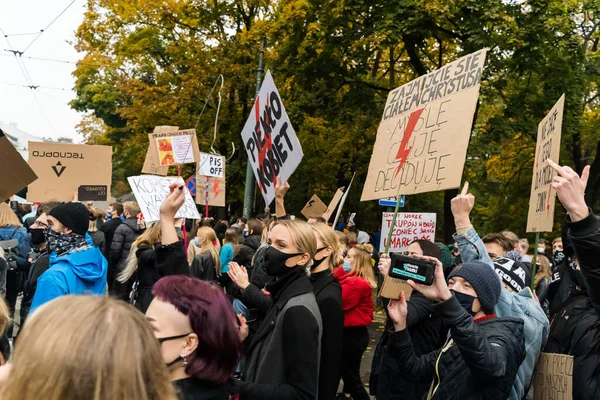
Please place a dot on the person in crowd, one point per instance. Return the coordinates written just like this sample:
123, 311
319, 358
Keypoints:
239, 225
557, 244
341, 225
230, 240
524, 249
515, 276
351, 239
512, 238
328, 293
101, 219
12, 278
483, 352
206, 265
76, 267
198, 331
317, 218
542, 246
98, 238
87, 347
542, 279
497, 245
123, 239
358, 281
220, 229
114, 213
31, 216
343, 238
520, 305
252, 242
282, 362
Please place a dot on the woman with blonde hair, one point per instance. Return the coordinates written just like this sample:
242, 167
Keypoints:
358, 281
541, 282
206, 265
87, 347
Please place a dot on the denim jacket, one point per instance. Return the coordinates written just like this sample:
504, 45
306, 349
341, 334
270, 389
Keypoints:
520, 305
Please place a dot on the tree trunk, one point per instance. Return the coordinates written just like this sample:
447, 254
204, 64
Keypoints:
449, 227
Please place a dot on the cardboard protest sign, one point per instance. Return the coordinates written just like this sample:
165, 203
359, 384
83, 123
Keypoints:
314, 206
343, 201
150, 191
16, 173
211, 188
423, 136
66, 169
392, 287
175, 148
553, 377
543, 198
212, 165
270, 140
152, 162
409, 227
333, 203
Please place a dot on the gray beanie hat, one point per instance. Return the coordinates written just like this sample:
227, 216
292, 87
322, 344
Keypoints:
484, 280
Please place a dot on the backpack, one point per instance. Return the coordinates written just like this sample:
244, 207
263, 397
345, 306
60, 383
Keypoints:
11, 251
565, 321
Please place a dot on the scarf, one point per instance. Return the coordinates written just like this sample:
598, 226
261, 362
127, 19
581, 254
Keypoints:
62, 243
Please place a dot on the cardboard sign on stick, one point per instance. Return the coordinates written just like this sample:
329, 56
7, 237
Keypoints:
66, 169
314, 206
216, 188
16, 173
175, 148
152, 162
423, 136
553, 377
270, 140
333, 203
543, 197
212, 165
409, 227
150, 191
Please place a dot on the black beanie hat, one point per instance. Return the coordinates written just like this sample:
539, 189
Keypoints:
484, 280
74, 216
514, 273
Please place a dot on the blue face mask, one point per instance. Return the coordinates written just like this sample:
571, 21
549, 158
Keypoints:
196, 242
347, 266
244, 234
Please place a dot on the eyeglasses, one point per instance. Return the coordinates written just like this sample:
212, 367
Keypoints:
161, 340
40, 224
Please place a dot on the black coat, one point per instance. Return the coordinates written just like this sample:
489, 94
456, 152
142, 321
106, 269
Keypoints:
203, 267
246, 253
38, 267
109, 228
328, 292
196, 389
99, 240
479, 361
123, 239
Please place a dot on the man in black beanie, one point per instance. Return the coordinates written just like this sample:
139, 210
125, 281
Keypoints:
76, 266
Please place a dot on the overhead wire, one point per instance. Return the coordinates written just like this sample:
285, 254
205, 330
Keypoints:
40, 58
49, 25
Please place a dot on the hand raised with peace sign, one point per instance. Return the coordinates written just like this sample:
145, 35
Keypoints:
570, 189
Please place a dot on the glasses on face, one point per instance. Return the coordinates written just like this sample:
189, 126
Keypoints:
161, 340
39, 224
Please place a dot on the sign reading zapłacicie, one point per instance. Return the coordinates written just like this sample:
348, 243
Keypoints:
423, 136
270, 140
63, 168
542, 197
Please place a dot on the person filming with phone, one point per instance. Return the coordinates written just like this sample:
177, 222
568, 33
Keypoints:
482, 353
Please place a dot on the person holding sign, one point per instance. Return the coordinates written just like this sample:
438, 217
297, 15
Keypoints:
481, 357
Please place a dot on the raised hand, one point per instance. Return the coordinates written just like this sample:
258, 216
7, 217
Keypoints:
281, 189
570, 189
438, 290
173, 201
398, 310
384, 264
461, 207
244, 330
238, 275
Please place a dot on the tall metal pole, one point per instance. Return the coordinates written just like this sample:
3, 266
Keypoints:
249, 189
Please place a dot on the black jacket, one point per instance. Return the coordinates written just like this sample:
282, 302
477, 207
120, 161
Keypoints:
246, 253
328, 293
203, 267
479, 360
196, 389
109, 228
38, 267
125, 235
99, 240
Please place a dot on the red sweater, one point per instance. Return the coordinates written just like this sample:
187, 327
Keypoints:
357, 300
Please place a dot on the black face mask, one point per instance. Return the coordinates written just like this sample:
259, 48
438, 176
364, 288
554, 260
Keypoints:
316, 262
275, 261
37, 236
465, 301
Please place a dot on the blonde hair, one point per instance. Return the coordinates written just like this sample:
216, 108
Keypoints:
543, 271
303, 237
8, 216
329, 238
92, 347
210, 238
362, 263
524, 245
132, 208
150, 236
4, 313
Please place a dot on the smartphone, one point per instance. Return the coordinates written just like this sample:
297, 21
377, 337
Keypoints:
419, 271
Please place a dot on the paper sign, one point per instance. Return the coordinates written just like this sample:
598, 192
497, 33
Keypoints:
553, 377
152, 163
179, 147
423, 136
270, 140
343, 201
333, 203
150, 192
409, 227
63, 168
212, 165
542, 198
16, 173
92, 193
314, 206
210, 189
392, 287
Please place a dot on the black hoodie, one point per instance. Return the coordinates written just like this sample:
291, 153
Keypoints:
246, 253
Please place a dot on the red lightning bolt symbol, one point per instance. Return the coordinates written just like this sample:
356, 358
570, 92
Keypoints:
403, 150
216, 190
268, 145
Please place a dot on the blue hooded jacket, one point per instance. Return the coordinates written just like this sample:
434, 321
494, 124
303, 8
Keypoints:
78, 272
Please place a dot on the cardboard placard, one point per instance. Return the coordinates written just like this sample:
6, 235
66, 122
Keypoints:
152, 163
63, 168
176, 148
273, 148
16, 173
409, 227
422, 139
150, 191
333, 203
553, 377
212, 165
92, 193
392, 287
543, 198
314, 206
216, 193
